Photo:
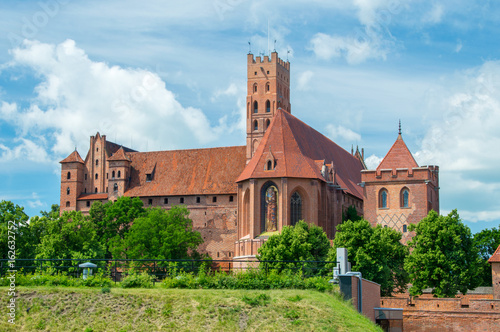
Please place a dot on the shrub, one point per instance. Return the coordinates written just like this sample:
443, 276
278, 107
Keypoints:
135, 280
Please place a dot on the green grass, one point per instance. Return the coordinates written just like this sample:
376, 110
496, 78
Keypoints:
159, 309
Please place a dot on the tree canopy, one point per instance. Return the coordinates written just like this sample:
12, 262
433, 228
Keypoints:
301, 242
444, 257
486, 241
376, 252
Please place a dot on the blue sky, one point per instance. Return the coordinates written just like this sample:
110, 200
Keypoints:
171, 75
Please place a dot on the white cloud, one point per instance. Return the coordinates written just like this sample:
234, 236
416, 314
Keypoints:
26, 150
336, 132
78, 97
373, 161
435, 15
459, 46
304, 80
480, 216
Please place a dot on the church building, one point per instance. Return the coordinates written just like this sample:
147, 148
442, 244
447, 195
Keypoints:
240, 195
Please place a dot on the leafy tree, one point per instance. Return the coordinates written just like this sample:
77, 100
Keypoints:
486, 241
13, 219
444, 256
350, 214
302, 242
70, 236
53, 213
376, 252
114, 219
159, 234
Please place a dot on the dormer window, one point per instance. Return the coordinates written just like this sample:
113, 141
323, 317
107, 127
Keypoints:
149, 177
269, 165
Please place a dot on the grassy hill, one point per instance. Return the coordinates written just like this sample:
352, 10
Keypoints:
86, 309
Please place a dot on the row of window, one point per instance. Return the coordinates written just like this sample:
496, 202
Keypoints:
68, 176
405, 228
383, 198
256, 124
256, 106
181, 200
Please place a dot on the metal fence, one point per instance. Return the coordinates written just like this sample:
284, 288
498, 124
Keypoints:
116, 269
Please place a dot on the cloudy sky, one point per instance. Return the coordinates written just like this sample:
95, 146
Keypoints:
155, 75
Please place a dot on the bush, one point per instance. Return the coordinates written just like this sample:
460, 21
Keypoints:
52, 278
135, 280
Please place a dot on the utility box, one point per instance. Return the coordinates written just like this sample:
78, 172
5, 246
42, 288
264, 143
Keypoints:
87, 269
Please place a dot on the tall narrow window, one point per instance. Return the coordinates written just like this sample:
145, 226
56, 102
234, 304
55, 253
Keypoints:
255, 88
269, 207
405, 195
268, 122
383, 199
198, 199
115, 187
269, 165
113, 174
67, 204
165, 200
255, 107
150, 201
405, 229
268, 87
268, 106
255, 125
97, 162
67, 191
85, 176
96, 190
295, 208
68, 176
96, 176
119, 174
181, 200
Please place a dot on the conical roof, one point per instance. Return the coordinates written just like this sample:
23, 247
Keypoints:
74, 157
495, 258
119, 155
399, 156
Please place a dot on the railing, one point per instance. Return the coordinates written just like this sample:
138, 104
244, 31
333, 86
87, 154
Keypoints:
116, 269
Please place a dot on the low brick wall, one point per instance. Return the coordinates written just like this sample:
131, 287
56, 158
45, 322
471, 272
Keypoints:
370, 295
451, 314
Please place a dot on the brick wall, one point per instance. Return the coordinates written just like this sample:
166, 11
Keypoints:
370, 296
451, 314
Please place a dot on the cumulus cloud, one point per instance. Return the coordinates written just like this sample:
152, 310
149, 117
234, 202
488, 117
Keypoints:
340, 132
77, 97
373, 161
434, 15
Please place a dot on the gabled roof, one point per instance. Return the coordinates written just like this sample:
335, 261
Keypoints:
186, 172
399, 156
495, 258
297, 147
94, 196
72, 158
119, 155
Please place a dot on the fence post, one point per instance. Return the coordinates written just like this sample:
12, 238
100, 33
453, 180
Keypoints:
115, 272
154, 272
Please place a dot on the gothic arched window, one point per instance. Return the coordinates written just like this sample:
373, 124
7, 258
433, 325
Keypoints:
295, 208
383, 198
119, 173
113, 174
269, 207
268, 106
405, 197
67, 191
68, 176
255, 125
255, 107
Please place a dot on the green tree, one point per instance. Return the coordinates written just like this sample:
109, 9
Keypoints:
350, 214
70, 236
486, 241
159, 234
14, 230
376, 252
302, 242
444, 257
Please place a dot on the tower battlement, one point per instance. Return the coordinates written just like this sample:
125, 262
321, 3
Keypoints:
263, 60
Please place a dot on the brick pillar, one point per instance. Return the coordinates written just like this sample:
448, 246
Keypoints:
495, 276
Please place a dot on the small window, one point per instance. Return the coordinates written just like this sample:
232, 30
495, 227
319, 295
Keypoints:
97, 162
181, 200
255, 73
268, 106
231, 198
385, 226
67, 191
165, 201
97, 149
119, 174
268, 122
96, 190
96, 176
85, 176
268, 71
149, 177
198, 199
88, 203
405, 228
106, 190
255, 107
383, 199
68, 176
150, 201
214, 199
255, 88
268, 87
113, 174
67, 204
107, 176
255, 125
85, 190
115, 187
405, 195
269, 165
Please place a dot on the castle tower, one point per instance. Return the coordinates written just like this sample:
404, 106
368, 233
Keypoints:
400, 192
72, 169
96, 181
268, 86
119, 171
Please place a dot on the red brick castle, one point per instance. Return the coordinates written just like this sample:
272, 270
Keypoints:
239, 195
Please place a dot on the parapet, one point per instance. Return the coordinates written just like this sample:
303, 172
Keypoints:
274, 59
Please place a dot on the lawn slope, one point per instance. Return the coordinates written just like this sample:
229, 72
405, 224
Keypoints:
86, 309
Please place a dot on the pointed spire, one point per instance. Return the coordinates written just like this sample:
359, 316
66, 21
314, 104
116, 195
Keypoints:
399, 132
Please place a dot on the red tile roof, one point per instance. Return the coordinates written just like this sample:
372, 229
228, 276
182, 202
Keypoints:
399, 156
84, 197
119, 155
73, 157
495, 258
297, 147
186, 172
